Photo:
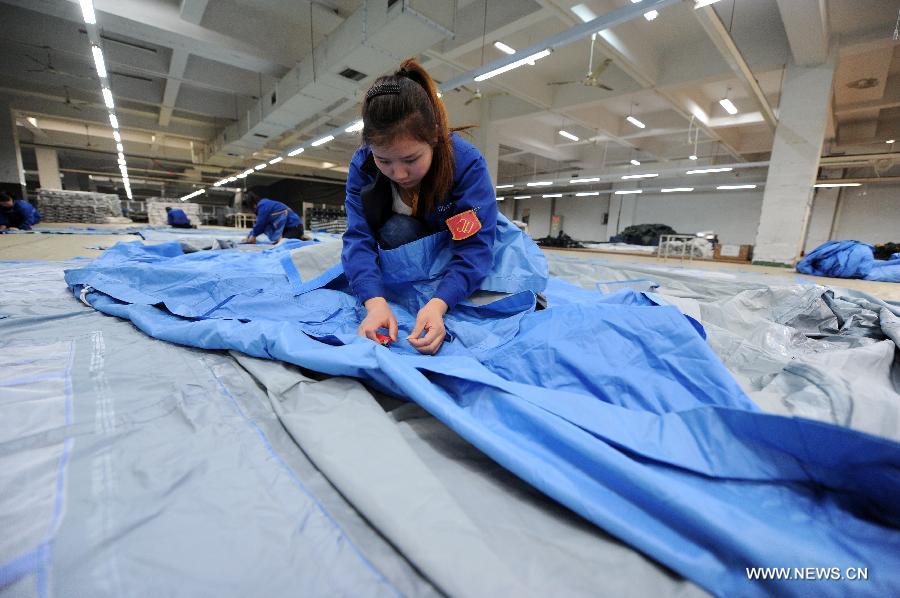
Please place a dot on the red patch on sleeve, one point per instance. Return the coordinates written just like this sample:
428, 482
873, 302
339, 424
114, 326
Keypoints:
463, 225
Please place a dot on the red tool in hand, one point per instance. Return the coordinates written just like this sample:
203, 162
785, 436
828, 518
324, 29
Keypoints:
384, 340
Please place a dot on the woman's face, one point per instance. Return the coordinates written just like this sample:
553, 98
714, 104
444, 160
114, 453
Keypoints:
404, 160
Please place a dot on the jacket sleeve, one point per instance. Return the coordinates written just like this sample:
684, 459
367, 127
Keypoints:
472, 257
360, 252
263, 209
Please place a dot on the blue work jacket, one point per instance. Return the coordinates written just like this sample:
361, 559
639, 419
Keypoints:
22, 215
177, 216
369, 205
272, 217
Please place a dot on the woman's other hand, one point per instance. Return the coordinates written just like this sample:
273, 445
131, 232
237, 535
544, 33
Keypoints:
429, 320
379, 316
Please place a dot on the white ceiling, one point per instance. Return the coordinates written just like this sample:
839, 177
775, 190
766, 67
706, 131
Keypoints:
237, 51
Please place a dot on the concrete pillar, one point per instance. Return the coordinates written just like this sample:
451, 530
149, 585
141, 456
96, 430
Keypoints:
12, 174
486, 139
787, 201
48, 168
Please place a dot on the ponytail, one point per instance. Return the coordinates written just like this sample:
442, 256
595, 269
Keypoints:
406, 104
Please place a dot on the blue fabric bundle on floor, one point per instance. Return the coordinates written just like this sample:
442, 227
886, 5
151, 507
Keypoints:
611, 404
849, 259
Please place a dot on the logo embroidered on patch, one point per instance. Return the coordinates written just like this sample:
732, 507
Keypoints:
463, 225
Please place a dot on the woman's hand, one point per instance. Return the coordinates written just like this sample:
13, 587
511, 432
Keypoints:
379, 316
430, 320
250, 239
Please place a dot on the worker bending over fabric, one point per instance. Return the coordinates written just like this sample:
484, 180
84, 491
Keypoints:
414, 177
17, 213
273, 218
177, 218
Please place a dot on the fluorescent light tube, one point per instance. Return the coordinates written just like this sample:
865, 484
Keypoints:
889, 141
591, 180
539, 184
702, 3
322, 141
513, 65
504, 48
521, 197
117, 137
587, 194
553, 195
639, 176
87, 12
677, 190
636, 122
629, 192
583, 12
568, 135
276, 160
734, 187
500, 198
636, 162
114, 121
120, 148
709, 170
357, 126
651, 15
504, 186
99, 63
692, 157
836, 185
299, 150
107, 98
729, 106
260, 166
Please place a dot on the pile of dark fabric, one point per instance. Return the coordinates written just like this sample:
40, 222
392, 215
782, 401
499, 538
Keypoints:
643, 234
886, 251
560, 240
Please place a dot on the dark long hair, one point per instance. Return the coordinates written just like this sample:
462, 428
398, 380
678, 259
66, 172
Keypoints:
415, 111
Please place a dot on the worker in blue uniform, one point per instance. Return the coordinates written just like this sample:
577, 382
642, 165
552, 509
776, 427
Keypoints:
273, 218
17, 213
177, 218
413, 177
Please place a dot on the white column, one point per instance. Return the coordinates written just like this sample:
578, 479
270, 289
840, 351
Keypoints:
486, 139
48, 168
11, 171
787, 201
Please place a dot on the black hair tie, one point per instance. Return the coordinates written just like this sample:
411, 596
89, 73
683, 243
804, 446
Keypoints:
383, 89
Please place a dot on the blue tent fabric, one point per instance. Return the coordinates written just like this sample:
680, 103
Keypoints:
849, 259
611, 404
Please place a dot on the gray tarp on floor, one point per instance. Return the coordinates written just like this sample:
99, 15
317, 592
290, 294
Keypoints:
189, 472
192, 472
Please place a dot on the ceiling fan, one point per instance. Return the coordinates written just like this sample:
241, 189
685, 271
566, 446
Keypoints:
476, 95
47, 67
592, 79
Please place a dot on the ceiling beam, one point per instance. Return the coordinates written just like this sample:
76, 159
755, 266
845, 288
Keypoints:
723, 41
806, 25
161, 24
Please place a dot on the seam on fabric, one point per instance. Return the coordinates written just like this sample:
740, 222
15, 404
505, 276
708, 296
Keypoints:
271, 450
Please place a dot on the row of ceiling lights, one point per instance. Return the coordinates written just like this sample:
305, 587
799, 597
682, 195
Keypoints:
90, 20
631, 191
356, 126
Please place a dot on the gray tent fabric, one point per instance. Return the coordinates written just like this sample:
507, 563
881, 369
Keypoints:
796, 349
138, 467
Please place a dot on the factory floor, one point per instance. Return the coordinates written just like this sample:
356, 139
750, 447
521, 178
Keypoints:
65, 246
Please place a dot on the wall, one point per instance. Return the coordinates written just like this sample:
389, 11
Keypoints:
582, 216
870, 213
733, 216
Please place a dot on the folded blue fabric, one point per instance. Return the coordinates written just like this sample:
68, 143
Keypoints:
849, 259
611, 404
